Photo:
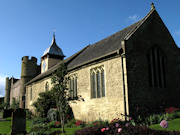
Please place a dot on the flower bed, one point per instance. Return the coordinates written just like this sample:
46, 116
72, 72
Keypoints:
115, 128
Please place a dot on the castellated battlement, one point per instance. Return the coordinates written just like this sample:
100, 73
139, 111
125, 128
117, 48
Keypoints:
29, 67
26, 58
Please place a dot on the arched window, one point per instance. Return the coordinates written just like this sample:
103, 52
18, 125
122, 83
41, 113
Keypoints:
97, 82
73, 86
47, 86
102, 83
93, 85
31, 93
156, 69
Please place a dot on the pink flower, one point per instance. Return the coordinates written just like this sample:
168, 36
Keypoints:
164, 124
117, 124
119, 129
130, 118
107, 128
103, 129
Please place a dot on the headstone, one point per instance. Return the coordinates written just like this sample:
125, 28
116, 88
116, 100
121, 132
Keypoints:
18, 122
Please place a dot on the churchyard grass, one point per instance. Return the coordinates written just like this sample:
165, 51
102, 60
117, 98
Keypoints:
173, 125
69, 131
5, 126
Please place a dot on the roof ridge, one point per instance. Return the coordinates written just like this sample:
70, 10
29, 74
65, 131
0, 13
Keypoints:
139, 23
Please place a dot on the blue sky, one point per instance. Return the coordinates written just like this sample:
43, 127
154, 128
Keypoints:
26, 26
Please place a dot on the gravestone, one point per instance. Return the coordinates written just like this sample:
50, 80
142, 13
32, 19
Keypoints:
18, 122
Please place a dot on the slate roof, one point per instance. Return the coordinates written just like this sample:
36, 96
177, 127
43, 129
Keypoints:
103, 48
53, 49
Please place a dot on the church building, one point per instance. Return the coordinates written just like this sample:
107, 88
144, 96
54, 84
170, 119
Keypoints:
135, 70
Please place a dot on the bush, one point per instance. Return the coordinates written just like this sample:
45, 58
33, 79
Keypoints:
123, 130
71, 123
40, 126
44, 103
15, 104
3, 106
39, 120
29, 114
42, 129
157, 118
51, 124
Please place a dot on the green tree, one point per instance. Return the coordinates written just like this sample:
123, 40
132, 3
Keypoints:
15, 104
44, 103
60, 92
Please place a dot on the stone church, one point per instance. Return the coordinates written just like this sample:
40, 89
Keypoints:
136, 70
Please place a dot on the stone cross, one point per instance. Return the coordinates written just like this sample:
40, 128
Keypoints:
18, 122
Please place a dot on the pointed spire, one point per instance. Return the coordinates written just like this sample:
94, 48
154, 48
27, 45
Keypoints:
152, 6
53, 40
54, 33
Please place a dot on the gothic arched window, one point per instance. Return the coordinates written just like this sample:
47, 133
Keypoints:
156, 70
97, 82
73, 86
31, 93
47, 86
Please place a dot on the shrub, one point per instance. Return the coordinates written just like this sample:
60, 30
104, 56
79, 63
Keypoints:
42, 129
57, 124
51, 124
29, 114
44, 103
100, 123
71, 123
15, 104
39, 120
124, 130
80, 123
171, 110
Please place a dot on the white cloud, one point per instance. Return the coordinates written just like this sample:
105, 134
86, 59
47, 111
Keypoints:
133, 18
177, 33
2, 85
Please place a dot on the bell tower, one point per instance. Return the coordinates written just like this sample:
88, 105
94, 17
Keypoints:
52, 55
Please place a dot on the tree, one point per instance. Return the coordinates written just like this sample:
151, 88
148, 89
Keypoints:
60, 92
15, 104
44, 103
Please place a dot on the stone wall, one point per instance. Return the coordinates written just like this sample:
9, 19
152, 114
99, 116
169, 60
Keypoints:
142, 97
37, 87
106, 108
15, 91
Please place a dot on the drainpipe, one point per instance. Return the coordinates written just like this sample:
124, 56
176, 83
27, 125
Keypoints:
123, 78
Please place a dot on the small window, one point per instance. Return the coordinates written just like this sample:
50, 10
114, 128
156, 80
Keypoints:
47, 87
97, 82
31, 94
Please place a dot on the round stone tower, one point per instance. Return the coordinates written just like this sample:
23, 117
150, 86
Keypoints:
7, 89
29, 70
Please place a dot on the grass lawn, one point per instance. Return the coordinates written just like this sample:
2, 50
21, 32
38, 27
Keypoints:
5, 126
69, 131
173, 125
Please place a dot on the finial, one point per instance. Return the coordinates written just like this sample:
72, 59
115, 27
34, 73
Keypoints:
54, 32
152, 6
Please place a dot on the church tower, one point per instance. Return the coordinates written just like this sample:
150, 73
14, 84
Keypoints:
29, 70
52, 55
7, 89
